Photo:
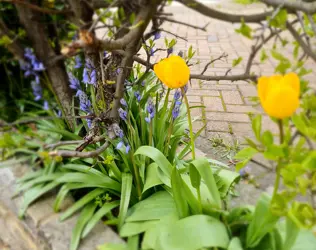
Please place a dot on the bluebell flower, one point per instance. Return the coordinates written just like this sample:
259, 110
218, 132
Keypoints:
93, 77
78, 63
37, 90
185, 87
157, 35
88, 64
148, 119
244, 171
119, 70
137, 95
143, 83
152, 51
105, 53
119, 145
45, 105
123, 102
151, 108
84, 102
85, 76
127, 149
37, 79
170, 50
38, 66
176, 111
122, 114
59, 113
177, 94
74, 82
28, 54
89, 122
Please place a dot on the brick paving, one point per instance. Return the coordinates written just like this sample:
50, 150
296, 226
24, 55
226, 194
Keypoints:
228, 105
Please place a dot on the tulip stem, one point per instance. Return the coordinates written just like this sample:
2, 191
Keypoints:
190, 123
278, 168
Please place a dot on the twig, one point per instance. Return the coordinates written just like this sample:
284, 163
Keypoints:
311, 20
94, 24
261, 164
228, 78
224, 55
303, 45
37, 8
61, 143
66, 153
183, 23
308, 8
227, 17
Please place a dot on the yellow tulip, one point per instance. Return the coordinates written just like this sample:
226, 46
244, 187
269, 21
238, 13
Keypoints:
279, 95
173, 72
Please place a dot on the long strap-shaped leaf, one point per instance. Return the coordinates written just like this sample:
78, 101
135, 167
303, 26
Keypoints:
127, 181
205, 170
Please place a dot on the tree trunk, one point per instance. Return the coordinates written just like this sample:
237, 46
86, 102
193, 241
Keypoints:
43, 50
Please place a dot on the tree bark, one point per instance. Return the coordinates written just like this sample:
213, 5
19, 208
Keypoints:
43, 50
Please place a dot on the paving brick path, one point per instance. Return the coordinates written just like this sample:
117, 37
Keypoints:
228, 104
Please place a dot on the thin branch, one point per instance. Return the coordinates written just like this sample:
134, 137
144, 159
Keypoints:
61, 143
227, 17
66, 153
303, 45
311, 20
224, 55
308, 8
224, 77
37, 8
261, 164
183, 23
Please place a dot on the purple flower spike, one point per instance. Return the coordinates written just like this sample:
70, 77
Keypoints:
45, 105
175, 112
157, 35
85, 76
152, 51
170, 50
151, 108
177, 94
93, 77
123, 102
148, 119
119, 145
74, 82
78, 63
137, 95
127, 149
123, 114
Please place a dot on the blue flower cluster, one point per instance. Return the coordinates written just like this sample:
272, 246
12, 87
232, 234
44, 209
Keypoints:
89, 74
84, 102
151, 111
32, 67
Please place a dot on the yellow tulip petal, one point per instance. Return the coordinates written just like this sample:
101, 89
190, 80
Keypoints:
281, 102
263, 85
293, 80
173, 71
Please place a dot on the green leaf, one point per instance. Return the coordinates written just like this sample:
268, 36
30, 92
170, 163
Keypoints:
157, 157
235, 244
205, 170
263, 56
85, 169
310, 161
245, 153
263, 222
82, 202
127, 181
133, 242
299, 123
177, 191
227, 178
256, 126
14, 161
237, 61
244, 29
279, 19
267, 138
107, 207
155, 207
137, 227
112, 246
193, 233
34, 193
152, 177
291, 234
273, 152
195, 177
84, 217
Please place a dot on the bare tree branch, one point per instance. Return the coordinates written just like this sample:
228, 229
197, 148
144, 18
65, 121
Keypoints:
61, 143
225, 77
224, 55
183, 23
308, 8
207, 11
303, 45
